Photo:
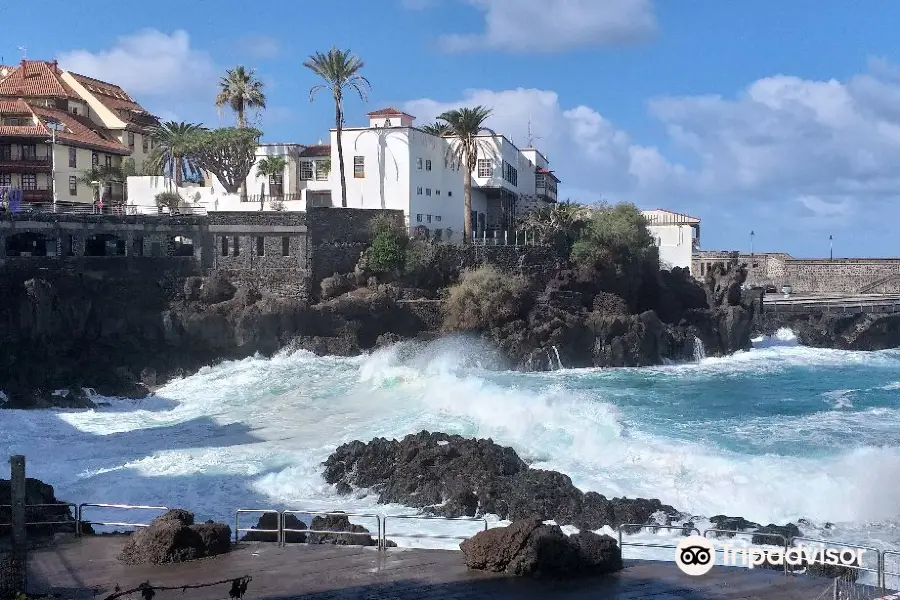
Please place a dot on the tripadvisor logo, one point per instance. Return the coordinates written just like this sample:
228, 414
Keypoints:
696, 555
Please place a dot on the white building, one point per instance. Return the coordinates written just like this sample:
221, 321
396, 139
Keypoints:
677, 236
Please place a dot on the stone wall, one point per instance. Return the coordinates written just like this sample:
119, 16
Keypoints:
812, 276
338, 236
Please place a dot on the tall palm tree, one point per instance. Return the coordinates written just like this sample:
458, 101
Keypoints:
438, 129
240, 90
340, 70
465, 125
172, 140
100, 177
269, 167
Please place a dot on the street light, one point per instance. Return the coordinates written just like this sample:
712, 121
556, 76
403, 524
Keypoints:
752, 233
831, 247
54, 126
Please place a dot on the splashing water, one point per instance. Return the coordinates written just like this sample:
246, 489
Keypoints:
699, 349
775, 434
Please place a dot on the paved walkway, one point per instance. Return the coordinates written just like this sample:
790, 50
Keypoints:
89, 569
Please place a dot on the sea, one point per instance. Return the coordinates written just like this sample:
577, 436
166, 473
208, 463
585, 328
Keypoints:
780, 433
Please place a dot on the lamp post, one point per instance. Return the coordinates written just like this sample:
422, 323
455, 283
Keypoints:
831, 247
752, 233
54, 126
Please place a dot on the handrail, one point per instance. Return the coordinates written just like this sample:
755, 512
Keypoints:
237, 525
426, 535
784, 539
884, 572
48, 505
329, 513
879, 570
81, 520
622, 527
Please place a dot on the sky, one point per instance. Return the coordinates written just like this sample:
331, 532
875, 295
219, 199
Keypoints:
772, 117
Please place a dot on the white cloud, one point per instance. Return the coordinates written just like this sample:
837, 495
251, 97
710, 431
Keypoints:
261, 46
150, 63
786, 154
541, 26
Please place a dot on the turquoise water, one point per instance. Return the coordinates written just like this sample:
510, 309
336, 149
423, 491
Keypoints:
777, 433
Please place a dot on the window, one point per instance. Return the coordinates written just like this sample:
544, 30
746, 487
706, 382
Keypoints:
29, 151
437, 218
237, 246
427, 165
29, 181
428, 218
419, 191
437, 192
5, 179
285, 246
260, 246
224, 246
306, 170
359, 167
145, 144
95, 159
73, 185
540, 180
131, 140
74, 110
107, 160
485, 168
6, 152
419, 164
427, 191
419, 218
450, 193
73, 157
321, 170
510, 173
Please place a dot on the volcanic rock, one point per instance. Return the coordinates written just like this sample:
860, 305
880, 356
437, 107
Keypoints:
37, 492
173, 537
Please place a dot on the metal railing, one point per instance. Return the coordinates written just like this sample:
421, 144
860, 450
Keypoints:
879, 555
330, 513
439, 235
427, 535
109, 209
257, 511
81, 521
67, 505
884, 571
732, 533
621, 528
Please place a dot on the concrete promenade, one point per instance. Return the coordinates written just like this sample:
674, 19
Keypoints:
89, 569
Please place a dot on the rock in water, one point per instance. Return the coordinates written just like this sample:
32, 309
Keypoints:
528, 547
173, 537
38, 492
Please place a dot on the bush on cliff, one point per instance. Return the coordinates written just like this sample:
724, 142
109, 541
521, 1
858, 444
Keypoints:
615, 235
388, 250
482, 299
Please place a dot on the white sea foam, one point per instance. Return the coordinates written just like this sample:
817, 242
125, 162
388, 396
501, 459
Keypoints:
253, 434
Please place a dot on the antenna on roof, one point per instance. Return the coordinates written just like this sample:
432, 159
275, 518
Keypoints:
24, 52
531, 136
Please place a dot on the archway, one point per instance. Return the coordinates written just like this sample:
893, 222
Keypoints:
26, 244
104, 244
182, 246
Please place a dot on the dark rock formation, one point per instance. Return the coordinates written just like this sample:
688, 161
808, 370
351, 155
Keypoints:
268, 524
356, 535
861, 331
735, 524
453, 476
528, 547
37, 492
174, 537
777, 534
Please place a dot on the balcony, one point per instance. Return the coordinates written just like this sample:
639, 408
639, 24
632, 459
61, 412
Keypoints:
20, 164
37, 194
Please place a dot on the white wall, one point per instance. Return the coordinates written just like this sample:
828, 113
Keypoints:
675, 245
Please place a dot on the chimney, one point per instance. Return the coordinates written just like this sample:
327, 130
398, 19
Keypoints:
53, 65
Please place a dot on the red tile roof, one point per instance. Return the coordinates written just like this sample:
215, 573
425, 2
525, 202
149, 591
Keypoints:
389, 112
36, 79
14, 107
5, 70
24, 131
550, 173
318, 150
80, 131
113, 97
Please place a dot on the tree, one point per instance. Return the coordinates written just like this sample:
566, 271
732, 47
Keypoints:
100, 177
615, 235
465, 125
228, 153
561, 222
269, 167
240, 90
340, 71
438, 129
171, 154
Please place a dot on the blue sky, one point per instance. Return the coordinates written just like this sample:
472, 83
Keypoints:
777, 117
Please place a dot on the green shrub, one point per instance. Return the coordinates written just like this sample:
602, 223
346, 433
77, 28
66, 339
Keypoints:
482, 299
170, 200
388, 250
615, 235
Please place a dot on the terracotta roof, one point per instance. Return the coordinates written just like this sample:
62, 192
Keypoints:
672, 212
318, 150
14, 107
36, 79
5, 70
113, 97
389, 112
80, 131
548, 172
23, 131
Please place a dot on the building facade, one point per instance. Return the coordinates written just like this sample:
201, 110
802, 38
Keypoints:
55, 125
677, 237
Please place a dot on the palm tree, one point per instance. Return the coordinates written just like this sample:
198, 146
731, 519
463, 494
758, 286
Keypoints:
438, 129
269, 167
100, 177
172, 142
340, 70
240, 90
465, 125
